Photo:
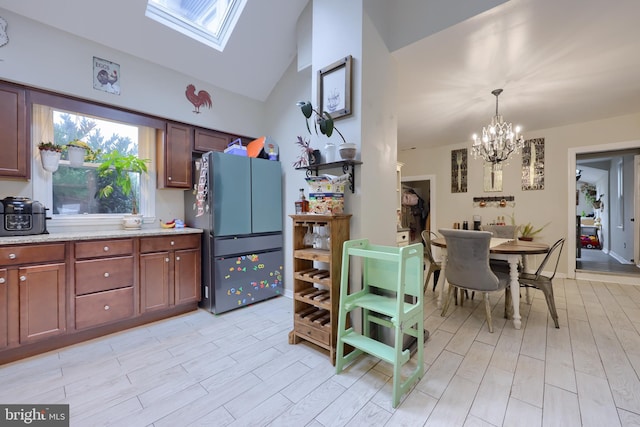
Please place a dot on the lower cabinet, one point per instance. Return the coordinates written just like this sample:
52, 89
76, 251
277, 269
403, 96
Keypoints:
169, 271
55, 294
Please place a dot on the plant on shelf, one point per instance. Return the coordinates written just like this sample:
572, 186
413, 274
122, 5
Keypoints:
49, 146
323, 121
307, 150
89, 155
119, 167
528, 230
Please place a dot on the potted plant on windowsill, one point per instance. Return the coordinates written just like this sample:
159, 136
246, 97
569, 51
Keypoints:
50, 155
118, 167
324, 123
77, 151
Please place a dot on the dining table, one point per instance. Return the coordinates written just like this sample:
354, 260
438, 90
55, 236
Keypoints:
511, 250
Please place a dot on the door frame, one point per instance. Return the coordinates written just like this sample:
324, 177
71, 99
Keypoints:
571, 211
432, 194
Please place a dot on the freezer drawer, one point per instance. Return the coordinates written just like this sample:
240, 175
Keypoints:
246, 279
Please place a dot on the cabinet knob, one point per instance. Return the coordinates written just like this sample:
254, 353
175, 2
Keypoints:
177, 258
173, 243
2, 280
12, 256
106, 307
166, 260
23, 278
169, 178
106, 248
106, 274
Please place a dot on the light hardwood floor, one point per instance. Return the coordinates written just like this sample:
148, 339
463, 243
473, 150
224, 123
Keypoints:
238, 369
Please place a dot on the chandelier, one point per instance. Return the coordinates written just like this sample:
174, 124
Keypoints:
498, 139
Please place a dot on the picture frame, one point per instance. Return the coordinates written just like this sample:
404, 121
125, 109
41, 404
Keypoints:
533, 164
106, 76
334, 88
459, 170
492, 177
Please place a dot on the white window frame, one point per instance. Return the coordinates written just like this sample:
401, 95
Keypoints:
42, 180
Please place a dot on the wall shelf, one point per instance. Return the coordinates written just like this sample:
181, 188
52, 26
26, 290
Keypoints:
346, 165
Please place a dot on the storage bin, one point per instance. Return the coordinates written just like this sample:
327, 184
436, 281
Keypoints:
236, 148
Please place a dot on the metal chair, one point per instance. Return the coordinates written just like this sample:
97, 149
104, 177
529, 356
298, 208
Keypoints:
434, 266
391, 297
468, 266
544, 283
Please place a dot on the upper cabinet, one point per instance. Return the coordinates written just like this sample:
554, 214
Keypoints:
14, 140
207, 140
173, 149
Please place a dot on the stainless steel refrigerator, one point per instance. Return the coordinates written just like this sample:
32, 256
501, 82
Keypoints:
237, 201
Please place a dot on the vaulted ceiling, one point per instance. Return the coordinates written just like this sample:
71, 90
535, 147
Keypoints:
558, 61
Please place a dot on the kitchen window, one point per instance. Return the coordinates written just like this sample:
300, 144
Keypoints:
71, 192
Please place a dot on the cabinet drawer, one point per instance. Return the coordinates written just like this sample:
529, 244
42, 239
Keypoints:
320, 334
104, 307
103, 274
32, 254
168, 243
104, 248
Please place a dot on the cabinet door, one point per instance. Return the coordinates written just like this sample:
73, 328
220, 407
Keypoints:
4, 309
177, 156
14, 141
42, 302
205, 140
154, 281
187, 276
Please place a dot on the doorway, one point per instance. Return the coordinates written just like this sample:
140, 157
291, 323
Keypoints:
607, 194
419, 219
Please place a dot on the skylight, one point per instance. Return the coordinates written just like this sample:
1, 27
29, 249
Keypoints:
207, 21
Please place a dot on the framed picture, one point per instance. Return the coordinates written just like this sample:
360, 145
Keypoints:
334, 89
106, 76
492, 176
533, 164
459, 171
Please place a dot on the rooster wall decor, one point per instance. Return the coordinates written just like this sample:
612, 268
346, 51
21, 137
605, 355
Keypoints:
199, 99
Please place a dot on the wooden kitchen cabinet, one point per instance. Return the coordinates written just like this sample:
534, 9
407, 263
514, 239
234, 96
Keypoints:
104, 282
316, 281
14, 138
169, 271
207, 140
173, 149
36, 275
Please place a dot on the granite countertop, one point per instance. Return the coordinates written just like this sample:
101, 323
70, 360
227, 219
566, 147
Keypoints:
84, 235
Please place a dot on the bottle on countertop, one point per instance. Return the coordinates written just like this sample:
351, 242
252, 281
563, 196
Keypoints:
302, 204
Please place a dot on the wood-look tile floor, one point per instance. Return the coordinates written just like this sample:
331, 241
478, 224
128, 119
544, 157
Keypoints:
238, 369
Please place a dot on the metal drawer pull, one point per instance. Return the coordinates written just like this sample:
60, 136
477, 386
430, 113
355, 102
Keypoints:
173, 243
106, 274
166, 260
106, 307
177, 258
12, 256
23, 278
2, 280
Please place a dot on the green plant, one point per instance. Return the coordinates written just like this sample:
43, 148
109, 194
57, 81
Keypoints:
91, 155
49, 146
528, 229
323, 121
119, 166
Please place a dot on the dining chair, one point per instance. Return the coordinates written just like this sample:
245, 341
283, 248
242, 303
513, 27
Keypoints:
391, 297
468, 267
538, 280
435, 266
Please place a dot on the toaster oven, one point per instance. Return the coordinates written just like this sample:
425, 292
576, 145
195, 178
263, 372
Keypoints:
22, 216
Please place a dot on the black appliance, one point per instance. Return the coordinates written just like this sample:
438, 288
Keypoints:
22, 216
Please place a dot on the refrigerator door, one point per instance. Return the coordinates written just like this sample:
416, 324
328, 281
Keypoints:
266, 196
248, 278
230, 194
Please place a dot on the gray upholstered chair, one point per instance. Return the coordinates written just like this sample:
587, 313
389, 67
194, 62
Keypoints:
544, 283
468, 266
433, 265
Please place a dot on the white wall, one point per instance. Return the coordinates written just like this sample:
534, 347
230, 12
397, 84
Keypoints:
556, 203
